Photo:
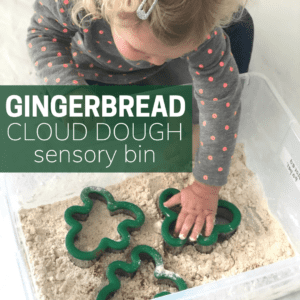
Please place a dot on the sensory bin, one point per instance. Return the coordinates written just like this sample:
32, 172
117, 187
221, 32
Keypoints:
259, 240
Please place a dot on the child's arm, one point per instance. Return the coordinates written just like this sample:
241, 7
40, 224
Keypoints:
49, 37
217, 89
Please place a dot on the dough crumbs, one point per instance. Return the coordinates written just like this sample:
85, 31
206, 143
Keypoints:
260, 239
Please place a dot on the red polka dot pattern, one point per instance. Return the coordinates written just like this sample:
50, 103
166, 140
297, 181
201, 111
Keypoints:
213, 69
217, 116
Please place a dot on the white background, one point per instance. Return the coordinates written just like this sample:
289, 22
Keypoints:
276, 46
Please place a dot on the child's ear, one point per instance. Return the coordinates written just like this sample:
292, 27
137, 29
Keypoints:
127, 19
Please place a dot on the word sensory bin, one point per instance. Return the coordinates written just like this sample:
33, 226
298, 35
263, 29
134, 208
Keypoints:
98, 128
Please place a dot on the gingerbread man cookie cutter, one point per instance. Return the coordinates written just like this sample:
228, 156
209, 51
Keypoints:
228, 219
139, 253
74, 214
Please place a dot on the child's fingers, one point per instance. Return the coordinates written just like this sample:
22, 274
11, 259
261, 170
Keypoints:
210, 223
197, 228
176, 199
180, 221
187, 225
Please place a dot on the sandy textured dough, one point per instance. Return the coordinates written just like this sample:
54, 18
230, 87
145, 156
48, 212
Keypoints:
259, 241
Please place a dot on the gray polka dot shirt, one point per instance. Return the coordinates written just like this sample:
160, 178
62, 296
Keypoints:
65, 54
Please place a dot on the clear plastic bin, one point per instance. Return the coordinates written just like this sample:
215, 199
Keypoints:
271, 136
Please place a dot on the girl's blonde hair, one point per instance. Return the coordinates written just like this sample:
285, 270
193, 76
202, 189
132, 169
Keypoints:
172, 21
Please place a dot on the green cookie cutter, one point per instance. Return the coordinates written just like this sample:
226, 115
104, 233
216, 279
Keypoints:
139, 253
74, 214
227, 213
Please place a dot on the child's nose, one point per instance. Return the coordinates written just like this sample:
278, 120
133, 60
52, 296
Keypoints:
156, 60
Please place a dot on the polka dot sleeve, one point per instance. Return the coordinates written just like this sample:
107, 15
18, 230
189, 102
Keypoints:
49, 43
217, 89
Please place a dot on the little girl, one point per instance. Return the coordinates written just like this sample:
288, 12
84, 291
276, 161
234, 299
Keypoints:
81, 42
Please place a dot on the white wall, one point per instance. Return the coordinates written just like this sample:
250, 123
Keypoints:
276, 51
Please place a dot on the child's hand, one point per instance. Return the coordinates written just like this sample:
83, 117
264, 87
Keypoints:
199, 205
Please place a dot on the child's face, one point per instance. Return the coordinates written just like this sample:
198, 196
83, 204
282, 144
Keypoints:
139, 43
